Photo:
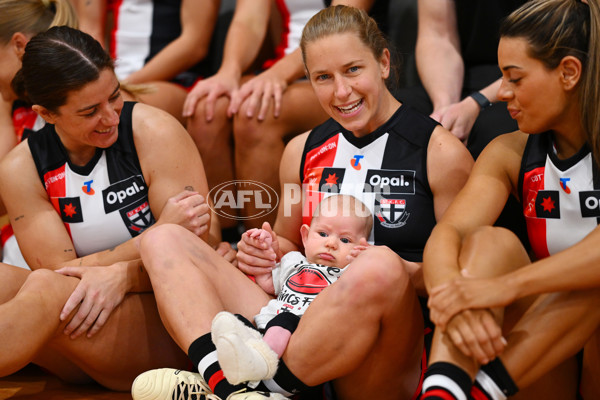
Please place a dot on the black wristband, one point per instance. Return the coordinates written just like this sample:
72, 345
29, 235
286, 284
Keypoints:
481, 100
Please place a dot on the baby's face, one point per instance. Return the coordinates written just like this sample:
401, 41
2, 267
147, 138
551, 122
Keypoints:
330, 239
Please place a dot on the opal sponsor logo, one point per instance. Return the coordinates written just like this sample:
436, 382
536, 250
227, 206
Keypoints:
390, 181
123, 193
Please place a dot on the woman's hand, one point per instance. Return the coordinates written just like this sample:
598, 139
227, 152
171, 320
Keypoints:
458, 118
188, 209
257, 94
476, 334
99, 292
258, 251
450, 298
225, 250
212, 88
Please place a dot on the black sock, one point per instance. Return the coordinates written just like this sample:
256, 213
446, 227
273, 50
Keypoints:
203, 354
493, 382
286, 320
284, 382
445, 381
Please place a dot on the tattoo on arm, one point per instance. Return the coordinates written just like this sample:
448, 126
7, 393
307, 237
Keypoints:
19, 217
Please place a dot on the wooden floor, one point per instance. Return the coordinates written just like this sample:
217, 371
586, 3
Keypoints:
32, 383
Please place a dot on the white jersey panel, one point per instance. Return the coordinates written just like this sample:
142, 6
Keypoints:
300, 12
361, 160
132, 36
571, 227
87, 238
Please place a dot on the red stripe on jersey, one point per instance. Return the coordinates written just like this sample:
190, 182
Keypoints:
324, 156
55, 182
438, 393
114, 6
285, 34
316, 159
533, 181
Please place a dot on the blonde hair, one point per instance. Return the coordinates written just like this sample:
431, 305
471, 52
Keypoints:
346, 19
34, 16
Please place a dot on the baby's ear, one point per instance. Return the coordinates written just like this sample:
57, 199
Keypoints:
304, 233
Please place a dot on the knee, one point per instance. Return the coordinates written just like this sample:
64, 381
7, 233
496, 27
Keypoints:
250, 132
245, 132
160, 239
209, 134
39, 279
45, 285
492, 250
378, 273
493, 236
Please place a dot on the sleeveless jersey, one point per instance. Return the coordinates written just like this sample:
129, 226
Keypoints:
141, 29
386, 169
560, 198
295, 14
103, 203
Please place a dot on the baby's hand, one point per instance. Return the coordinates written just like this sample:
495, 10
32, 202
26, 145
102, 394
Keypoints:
258, 251
262, 236
359, 248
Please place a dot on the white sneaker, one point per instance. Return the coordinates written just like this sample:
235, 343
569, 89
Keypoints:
170, 384
242, 354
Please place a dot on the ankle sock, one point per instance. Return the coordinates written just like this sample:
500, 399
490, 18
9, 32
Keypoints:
445, 381
493, 382
284, 382
286, 320
203, 353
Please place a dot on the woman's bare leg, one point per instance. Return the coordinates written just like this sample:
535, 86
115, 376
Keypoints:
167, 96
260, 144
132, 341
192, 283
491, 252
215, 142
555, 328
365, 332
11, 278
590, 387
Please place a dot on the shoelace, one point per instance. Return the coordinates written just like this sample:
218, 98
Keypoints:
196, 390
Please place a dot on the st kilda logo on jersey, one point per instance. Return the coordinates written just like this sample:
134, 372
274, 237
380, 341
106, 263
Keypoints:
130, 198
391, 188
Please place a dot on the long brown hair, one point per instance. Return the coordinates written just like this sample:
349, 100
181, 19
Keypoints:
555, 29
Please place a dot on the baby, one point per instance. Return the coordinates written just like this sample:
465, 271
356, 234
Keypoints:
339, 230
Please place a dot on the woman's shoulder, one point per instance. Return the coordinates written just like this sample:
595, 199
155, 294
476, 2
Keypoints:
508, 143
16, 161
148, 122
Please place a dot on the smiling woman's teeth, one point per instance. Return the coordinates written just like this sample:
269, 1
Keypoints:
350, 109
104, 131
